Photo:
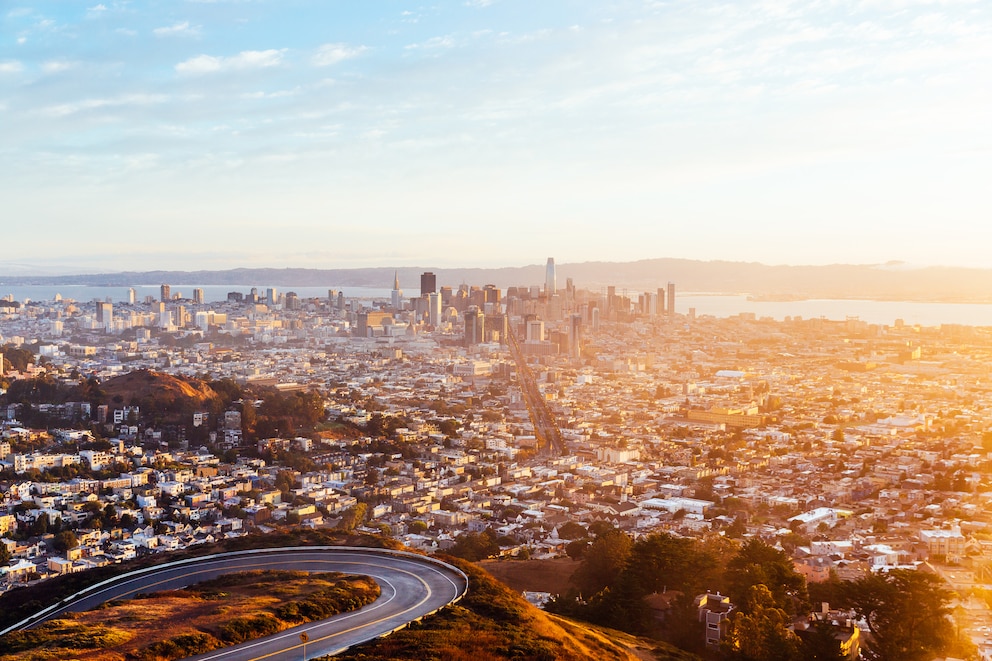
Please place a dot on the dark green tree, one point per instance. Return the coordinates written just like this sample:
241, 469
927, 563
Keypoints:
757, 563
818, 643
65, 541
907, 612
603, 561
759, 631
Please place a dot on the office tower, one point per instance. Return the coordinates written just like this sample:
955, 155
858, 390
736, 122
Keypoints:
498, 328
271, 296
661, 300
671, 298
433, 309
198, 296
550, 280
105, 315
340, 300
292, 301
475, 326
535, 330
180, 316
131, 295
492, 294
332, 294
428, 283
165, 293
235, 297
574, 335
476, 296
397, 294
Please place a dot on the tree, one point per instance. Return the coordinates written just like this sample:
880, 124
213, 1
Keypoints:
65, 541
663, 561
820, 644
473, 546
757, 563
907, 614
603, 561
352, 517
571, 530
760, 632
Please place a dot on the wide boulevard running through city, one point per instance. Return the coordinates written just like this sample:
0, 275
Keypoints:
412, 586
549, 438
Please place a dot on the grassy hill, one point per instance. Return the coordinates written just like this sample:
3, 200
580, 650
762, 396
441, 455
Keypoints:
493, 623
165, 394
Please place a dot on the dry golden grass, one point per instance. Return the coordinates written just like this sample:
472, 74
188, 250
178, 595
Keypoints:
119, 629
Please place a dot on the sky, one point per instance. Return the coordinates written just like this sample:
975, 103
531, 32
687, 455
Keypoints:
214, 134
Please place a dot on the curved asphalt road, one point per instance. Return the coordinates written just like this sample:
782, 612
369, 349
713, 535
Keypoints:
412, 586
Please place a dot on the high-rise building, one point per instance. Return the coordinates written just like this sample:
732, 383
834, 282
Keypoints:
272, 296
397, 294
446, 295
550, 279
292, 301
534, 330
661, 300
433, 309
574, 335
428, 283
105, 314
492, 294
198, 296
131, 295
671, 298
475, 326
165, 292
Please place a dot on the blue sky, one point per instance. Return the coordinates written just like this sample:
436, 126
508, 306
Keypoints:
226, 133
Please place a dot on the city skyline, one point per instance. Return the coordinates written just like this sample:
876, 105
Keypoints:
227, 134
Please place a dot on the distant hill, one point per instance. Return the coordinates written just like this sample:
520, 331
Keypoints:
167, 395
891, 281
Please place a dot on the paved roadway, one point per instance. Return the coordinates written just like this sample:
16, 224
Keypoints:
412, 586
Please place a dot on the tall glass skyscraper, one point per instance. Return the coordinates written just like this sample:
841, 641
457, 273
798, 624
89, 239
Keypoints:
550, 280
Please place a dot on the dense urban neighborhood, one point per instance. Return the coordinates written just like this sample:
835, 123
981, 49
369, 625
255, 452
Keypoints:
529, 422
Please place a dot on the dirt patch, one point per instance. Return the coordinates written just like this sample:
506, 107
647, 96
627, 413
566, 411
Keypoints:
533, 575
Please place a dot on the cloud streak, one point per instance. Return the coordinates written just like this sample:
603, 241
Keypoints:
243, 61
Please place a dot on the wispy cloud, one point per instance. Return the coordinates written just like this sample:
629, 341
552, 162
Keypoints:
97, 8
329, 54
58, 66
66, 109
11, 66
249, 59
183, 29
434, 43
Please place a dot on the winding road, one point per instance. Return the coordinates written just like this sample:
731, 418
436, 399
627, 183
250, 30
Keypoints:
412, 586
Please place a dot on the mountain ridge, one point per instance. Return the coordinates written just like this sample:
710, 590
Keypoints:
890, 281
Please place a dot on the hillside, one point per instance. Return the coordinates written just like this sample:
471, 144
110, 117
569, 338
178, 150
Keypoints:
163, 393
493, 623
